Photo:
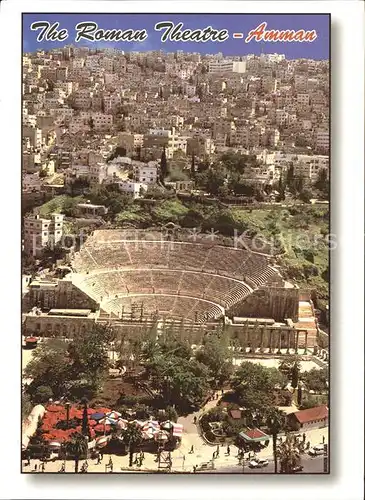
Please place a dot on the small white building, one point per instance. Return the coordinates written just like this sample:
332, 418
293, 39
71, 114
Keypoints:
147, 174
133, 188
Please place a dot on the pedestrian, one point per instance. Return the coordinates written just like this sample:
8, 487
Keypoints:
228, 450
222, 392
101, 455
304, 438
36, 467
323, 439
28, 461
191, 449
42, 467
217, 396
142, 455
194, 469
195, 420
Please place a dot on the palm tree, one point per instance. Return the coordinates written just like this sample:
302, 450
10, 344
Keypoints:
275, 421
77, 447
132, 436
289, 455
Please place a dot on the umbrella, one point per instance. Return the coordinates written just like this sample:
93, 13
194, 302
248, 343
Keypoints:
102, 441
177, 430
151, 424
147, 434
122, 424
107, 421
114, 415
167, 425
97, 416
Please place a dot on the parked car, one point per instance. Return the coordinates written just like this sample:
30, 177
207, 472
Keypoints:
319, 447
258, 463
206, 466
316, 451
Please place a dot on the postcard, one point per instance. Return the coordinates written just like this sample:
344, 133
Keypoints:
175, 243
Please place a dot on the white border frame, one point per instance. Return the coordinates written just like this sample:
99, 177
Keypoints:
347, 272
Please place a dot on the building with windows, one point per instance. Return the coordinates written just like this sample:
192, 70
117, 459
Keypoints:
40, 233
227, 66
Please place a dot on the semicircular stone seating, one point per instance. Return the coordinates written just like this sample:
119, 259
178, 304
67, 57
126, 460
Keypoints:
190, 280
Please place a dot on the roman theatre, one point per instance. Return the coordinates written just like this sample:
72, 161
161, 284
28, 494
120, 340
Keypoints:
142, 282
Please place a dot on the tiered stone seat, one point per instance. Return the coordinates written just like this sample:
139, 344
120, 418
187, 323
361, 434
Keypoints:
112, 282
166, 281
193, 283
148, 254
221, 289
225, 260
111, 255
138, 281
94, 287
187, 256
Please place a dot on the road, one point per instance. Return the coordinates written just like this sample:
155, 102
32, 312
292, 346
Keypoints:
311, 466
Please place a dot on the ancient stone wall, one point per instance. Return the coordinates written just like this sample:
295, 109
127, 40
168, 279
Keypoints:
269, 302
65, 295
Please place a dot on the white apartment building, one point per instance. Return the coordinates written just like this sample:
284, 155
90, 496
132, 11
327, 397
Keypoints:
309, 167
38, 233
78, 63
132, 188
147, 174
322, 140
303, 99
227, 66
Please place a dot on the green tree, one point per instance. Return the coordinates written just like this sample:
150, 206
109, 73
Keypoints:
26, 405
295, 370
289, 455
163, 166
217, 357
316, 380
254, 386
306, 195
77, 448
193, 167
132, 437
275, 421
50, 367
42, 394
89, 354
181, 381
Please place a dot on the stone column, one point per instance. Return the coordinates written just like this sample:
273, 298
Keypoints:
262, 332
279, 348
270, 341
306, 342
296, 342
288, 348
